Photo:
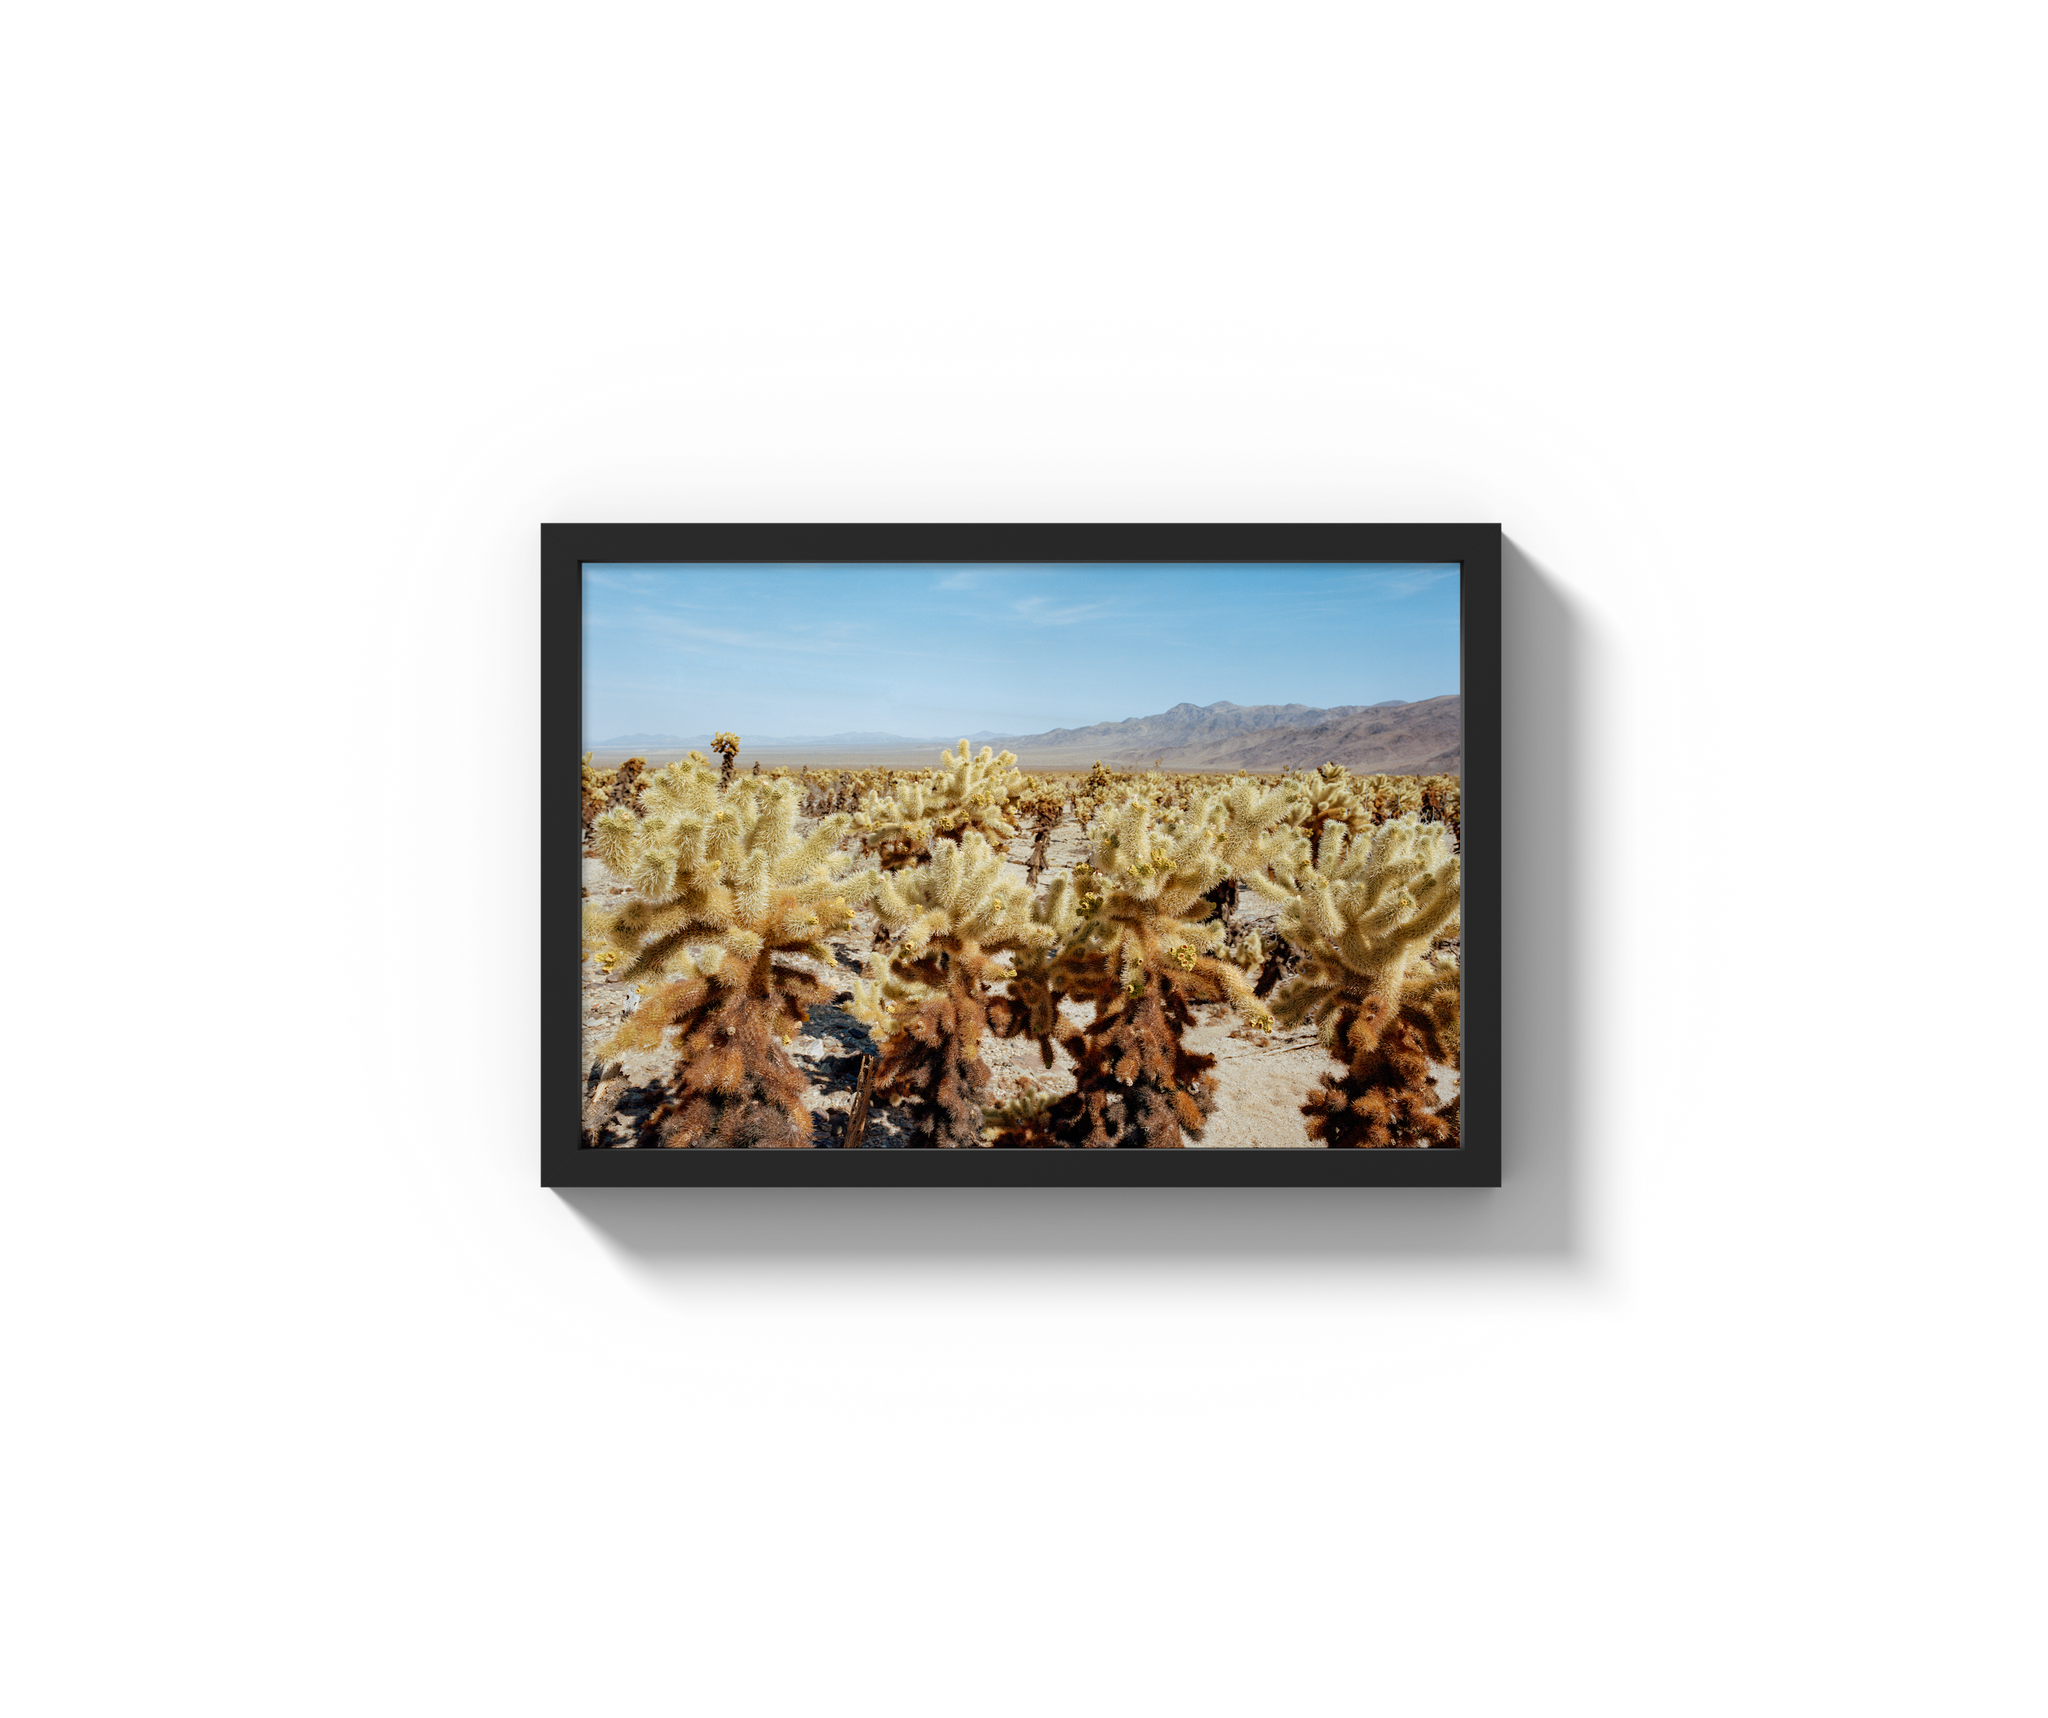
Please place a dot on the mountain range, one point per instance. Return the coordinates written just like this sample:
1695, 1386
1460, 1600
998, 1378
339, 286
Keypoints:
1392, 737
772, 742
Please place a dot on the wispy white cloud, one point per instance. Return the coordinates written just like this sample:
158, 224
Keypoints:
1404, 581
1036, 611
668, 625
856, 640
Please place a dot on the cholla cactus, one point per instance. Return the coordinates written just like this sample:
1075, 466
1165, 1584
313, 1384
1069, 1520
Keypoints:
896, 831
1330, 795
626, 783
955, 920
1443, 802
1041, 853
1044, 802
1367, 914
1031, 1009
974, 793
1393, 796
723, 885
970, 792
1030, 1120
1224, 899
727, 746
596, 792
1147, 947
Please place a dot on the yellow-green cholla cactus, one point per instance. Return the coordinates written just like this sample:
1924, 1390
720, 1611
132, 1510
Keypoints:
968, 792
596, 791
1329, 795
1146, 947
1368, 915
722, 887
956, 922
1443, 801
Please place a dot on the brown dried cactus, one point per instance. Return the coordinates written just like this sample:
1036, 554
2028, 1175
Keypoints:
727, 746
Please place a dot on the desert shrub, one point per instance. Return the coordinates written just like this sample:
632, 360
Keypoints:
722, 887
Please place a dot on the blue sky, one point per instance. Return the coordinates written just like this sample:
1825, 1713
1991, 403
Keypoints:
937, 650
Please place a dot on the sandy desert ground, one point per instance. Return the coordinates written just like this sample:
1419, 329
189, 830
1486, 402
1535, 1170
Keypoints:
1261, 1077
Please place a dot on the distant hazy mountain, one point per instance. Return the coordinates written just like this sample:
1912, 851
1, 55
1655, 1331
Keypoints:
1390, 738
768, 742
649, 743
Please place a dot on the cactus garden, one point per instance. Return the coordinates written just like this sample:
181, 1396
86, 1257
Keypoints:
827, 944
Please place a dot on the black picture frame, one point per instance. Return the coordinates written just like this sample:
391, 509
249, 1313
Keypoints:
564, 550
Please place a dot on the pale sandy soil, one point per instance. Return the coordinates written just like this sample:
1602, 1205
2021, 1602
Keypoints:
1261, 1078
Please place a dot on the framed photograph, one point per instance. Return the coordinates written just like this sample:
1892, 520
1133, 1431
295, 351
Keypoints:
1020, 854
